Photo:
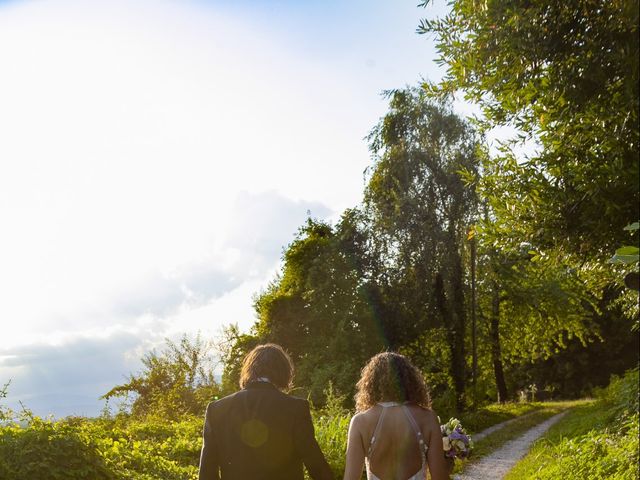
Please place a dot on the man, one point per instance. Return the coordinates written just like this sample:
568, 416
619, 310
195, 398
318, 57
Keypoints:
261, 433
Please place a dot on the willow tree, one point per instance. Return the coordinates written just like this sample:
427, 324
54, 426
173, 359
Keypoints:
420, 210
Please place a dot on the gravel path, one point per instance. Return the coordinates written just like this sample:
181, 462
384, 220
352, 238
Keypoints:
496, 465
497, 426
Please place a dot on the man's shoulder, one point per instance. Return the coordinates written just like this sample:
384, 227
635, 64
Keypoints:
300, 404
290, 400
221, 403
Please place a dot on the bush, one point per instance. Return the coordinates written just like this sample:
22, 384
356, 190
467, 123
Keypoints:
101, 449
50, 450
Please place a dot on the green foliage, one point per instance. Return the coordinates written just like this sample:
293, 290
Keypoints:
541, 305
420, 210
430, 353
621, 396
492, 414
79, 449
577, 367
177, 380
331, 426
598, 440
315, 309
566, 74
394, 274
50, 450
152, 449
626, 255
233, 348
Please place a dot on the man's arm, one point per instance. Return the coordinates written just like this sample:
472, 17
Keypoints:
307, 446
209, 456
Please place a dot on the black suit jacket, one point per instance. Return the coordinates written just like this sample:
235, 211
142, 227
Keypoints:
260, 433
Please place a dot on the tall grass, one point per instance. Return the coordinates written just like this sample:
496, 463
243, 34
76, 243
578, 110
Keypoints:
125, 448
594, 441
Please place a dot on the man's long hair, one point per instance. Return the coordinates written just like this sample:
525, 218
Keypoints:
268, 361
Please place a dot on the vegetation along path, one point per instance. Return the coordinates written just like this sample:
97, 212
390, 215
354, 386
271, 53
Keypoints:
497, 464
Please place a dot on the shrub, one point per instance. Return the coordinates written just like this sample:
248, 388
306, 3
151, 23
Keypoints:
50, 450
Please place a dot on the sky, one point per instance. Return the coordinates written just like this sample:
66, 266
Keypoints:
157, 156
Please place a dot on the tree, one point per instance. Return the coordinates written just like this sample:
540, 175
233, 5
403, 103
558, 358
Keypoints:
531, 307
420, 210
564, 73
177, 380
232, 348
319, 309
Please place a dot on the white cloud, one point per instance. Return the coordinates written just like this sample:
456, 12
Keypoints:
155, 158
128, 128
69, 378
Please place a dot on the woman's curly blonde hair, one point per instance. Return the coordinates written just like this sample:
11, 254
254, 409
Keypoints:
391, 377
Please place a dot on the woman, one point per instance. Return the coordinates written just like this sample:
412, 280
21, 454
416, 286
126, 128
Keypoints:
260, 432
394, 432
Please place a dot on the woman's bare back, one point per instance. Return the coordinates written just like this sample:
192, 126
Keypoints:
395, 450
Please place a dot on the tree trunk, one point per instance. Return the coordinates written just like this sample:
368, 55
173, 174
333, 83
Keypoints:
459, 321
474, 345
455, 339
496, 354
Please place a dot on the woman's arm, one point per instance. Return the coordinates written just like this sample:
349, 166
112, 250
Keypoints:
355, 450
435, 454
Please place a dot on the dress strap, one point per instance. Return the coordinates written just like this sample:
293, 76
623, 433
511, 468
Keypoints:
375, 432
423, 447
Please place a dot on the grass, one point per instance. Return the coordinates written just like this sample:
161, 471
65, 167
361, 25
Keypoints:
581, 447
537, 414
485, 417
595, 440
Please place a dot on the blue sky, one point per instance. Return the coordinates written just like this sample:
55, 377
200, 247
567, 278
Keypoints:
157, 156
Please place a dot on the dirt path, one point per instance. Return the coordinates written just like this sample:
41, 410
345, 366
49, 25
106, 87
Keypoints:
496, 465
488, 431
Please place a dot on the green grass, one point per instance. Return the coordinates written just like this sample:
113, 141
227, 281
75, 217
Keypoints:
485, 417
581, 447
517, 427
595, 440
331, 432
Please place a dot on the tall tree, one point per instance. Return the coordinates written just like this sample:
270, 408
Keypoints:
530, 306
564, 73
420, 210
321, 308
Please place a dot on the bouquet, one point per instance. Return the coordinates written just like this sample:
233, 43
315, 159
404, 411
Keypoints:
455, 441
